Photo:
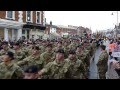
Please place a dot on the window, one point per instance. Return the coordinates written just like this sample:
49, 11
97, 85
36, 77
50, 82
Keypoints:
33, 36
10, 14
38, 17
23, 32
29, 16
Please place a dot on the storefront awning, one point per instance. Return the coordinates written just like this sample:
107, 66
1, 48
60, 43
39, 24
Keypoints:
10, 24
32, 26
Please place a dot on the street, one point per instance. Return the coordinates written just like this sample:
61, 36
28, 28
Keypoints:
93, 68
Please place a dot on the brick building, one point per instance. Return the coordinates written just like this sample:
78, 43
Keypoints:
18, 24
59, 30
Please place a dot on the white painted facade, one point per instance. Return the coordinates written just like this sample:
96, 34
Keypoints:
13, 30
52, 30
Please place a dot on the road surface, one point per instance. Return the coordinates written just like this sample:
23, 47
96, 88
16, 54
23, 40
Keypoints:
93, 73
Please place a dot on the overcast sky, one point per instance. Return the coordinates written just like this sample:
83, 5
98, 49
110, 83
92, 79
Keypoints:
97, 20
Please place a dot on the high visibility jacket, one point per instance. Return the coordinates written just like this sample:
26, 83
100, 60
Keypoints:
111, 47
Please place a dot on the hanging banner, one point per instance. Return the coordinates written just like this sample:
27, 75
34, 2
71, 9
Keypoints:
116, 54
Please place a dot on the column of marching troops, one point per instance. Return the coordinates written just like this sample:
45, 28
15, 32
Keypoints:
46, 59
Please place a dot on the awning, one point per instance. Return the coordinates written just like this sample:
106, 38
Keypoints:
10, 24
32, 26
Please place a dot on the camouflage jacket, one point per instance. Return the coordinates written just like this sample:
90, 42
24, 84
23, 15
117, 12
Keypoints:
46, 57
19, 55
42, 49
72, 46
66, 49
27, 51
31, 60
2, 52
102, 62
56, 49
76, 70
11, 71
54, 70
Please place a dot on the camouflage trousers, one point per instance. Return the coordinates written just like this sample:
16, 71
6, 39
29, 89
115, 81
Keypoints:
102, 74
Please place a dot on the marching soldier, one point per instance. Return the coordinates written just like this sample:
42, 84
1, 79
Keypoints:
29, 48
81, 55
102, 63
42, 47
33, 59
47, 56
8, 69
31, 72
65, 47
72, 45
56, 69
5, 48
76, 69
18, 53
59, 46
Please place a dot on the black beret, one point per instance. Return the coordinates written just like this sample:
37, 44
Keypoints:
17, 44
72, 51
60, 42
31, 69
10, 54
34, 43
36, 48
79, 46
60, 51
4, 43
49, 45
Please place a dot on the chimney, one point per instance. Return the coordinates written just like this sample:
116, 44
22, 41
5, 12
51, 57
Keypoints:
50, 22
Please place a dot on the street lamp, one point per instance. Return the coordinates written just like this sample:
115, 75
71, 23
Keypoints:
116, 21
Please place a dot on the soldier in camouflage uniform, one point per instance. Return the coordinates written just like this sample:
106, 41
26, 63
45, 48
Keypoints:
18, 52
28, 50
47, 56
65, 47
5, 48
72, 45
93, 46
42, 47
59, 46
33, 59
76, 69
56, 69
8, 69
81, 55
31, 72
87, 53
102, 63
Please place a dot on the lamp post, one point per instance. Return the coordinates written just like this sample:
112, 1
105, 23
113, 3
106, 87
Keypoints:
116, 22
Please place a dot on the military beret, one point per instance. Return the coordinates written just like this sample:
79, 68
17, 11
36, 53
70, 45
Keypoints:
4, 43
43, 41
10, 54
36, 48
72, 51
34, 43
49, 45
31, 69
17, 44
60, 51
79, 46
60, 42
